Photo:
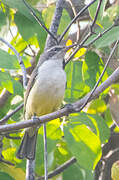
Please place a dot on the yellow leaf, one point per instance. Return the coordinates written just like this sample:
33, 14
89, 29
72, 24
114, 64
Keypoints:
80, 52
69, 42
16, 173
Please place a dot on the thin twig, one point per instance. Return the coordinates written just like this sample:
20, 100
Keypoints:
74, 19
45, 152
20, 61
39, 21
11, 137
7, 162
96, 14
105, 67
99, 35
61, 168
77, 21
82, 44
88, 35
4, 120
65, 111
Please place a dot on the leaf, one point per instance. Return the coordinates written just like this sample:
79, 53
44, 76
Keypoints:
80, 53
19, 44
103, 130
84, 145
47, 14
31, 29
93, 8
6, 81
19, 5
76, 87
15, 173
65, 20
5, 176
10, 84
73, 172
108, 38
97, 106
61, 153
3, 20
53, 130
8, 61
51, 144
94, 122
92, 69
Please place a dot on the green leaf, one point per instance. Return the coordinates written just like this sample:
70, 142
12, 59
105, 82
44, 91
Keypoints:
5, 176
54, 130
47, 14
6, 81
76, 87
61, 153
92, 69
94, 122
3, 20
19, 44
10, 84
84, 145
73, 173
103, 132
15, 173
19, 5
92, 10
108, 38
31, 29
97, 106
65, 20
51, 144
8, 61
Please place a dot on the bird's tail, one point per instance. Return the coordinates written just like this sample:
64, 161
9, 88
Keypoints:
28, 147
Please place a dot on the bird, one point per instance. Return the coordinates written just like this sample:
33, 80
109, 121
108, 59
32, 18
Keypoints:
44, 94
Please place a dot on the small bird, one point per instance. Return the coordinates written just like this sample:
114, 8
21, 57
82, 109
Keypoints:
44, 94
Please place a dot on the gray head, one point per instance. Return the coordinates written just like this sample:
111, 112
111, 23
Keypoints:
56, 52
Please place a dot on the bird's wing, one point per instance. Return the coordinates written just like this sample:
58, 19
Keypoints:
29, 86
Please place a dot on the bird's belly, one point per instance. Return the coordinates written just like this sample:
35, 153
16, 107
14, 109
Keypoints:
45, 96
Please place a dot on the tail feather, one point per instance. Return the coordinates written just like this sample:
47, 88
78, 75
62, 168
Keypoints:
28, 147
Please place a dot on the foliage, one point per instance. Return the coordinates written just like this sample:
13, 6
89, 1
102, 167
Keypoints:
83, 133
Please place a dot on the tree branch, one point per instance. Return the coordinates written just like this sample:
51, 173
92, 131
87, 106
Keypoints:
60, 169
20, 61
4, 120
55, 24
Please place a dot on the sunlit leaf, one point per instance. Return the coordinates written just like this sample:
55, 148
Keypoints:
15, 173
80, 52
85, 145
93, 8
8, 86
97, 106
8, 61
5, 176
92, 69
76, 88
73, 172
94, 122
